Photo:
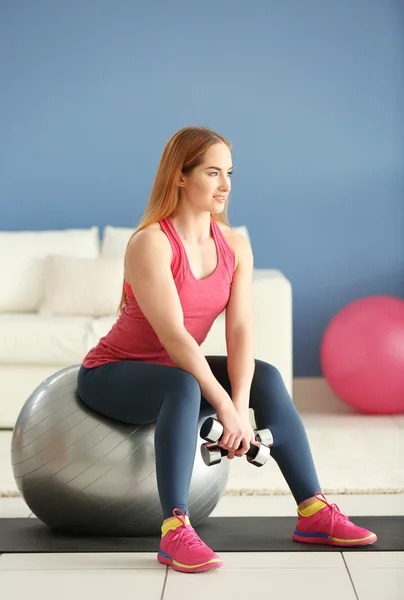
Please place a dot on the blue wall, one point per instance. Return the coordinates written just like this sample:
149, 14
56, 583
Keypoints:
310, 93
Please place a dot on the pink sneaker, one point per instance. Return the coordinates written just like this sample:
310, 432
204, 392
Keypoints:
182, 549
329, 526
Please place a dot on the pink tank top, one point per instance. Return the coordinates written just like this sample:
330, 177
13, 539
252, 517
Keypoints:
132, 337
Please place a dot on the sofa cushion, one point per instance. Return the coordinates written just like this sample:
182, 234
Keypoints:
21, 274
81, 286
115, 239
35, 339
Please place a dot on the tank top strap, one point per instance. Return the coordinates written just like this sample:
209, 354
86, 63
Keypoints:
178, 260
226, 254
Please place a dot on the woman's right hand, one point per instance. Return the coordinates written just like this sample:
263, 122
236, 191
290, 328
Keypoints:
234, 430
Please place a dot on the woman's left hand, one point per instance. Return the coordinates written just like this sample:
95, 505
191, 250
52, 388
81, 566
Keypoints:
248, 428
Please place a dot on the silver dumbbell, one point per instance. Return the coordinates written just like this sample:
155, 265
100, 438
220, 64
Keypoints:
212, 453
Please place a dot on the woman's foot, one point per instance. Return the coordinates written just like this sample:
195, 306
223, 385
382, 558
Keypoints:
182, 549
324, 523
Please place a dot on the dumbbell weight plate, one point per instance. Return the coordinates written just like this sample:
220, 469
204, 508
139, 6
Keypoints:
262, 454
211, 430
264, 436
211, 453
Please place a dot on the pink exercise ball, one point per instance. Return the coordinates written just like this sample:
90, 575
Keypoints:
362, 355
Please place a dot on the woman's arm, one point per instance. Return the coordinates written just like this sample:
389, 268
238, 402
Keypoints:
240, 327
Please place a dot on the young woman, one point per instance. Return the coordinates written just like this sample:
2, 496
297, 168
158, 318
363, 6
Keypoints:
183, 266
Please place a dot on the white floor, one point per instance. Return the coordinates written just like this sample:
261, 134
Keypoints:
342, 576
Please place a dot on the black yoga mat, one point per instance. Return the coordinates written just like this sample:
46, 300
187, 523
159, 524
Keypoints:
223, 534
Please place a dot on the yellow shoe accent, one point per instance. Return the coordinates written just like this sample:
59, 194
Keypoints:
354, 541
173, 523
208, 562
311, 509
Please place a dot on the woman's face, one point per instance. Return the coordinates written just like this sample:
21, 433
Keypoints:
208, 180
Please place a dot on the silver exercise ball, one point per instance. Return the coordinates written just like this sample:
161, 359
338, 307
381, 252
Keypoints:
80, 472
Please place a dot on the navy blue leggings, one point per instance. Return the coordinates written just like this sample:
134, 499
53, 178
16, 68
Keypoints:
139, 392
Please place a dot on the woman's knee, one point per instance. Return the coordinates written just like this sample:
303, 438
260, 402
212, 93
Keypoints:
268, 382
185, 387
264, 370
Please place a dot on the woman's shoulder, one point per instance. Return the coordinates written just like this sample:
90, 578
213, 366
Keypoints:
147, 234
235, 240
149, 230
153, 227
231, 236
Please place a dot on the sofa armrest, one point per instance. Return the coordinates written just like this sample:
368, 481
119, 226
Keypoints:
272, 296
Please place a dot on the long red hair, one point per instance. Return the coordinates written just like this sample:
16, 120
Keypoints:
183, 152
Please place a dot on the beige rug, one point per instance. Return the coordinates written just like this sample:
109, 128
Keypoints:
354, 454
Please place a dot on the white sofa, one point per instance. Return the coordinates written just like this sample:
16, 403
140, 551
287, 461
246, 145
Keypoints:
48, 278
